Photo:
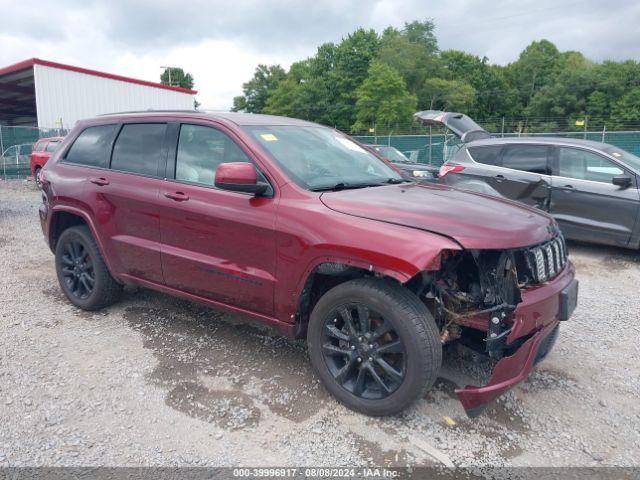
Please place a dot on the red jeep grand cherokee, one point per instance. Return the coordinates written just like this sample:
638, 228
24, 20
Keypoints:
297, 226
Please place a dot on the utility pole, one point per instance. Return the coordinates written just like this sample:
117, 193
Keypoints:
584, 135
169, 72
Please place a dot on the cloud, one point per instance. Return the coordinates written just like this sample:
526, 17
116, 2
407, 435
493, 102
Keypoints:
221, 42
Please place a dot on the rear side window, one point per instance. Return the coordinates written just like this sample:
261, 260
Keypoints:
488, 154
93, 146
39, 147
138, 148
528, 158
52, 146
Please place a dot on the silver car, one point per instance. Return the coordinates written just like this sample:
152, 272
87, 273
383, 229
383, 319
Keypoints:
590, 188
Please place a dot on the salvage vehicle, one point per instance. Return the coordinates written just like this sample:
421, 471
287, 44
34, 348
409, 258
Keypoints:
297, 226
42, 151
590, 188
410, 170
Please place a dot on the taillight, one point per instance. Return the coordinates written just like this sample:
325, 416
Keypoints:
444, 169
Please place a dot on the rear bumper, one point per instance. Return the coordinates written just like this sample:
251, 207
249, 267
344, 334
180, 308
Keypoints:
537, 316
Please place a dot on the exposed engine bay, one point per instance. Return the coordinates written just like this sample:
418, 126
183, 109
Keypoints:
474, 293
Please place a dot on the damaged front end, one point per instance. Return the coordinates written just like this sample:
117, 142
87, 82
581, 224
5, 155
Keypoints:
503, 304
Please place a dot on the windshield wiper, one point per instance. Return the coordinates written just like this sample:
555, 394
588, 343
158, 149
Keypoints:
393, 181
334, 187
347, 186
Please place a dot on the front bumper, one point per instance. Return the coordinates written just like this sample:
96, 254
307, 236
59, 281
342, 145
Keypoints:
536, 317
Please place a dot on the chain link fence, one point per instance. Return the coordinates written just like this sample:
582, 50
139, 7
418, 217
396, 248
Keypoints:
16, 144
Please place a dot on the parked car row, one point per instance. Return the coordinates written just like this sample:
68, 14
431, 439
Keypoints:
298, 226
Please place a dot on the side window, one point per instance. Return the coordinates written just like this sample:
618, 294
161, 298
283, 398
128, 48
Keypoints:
200, 150
585, 165
93, 146
138, 148
528, 158
39, 146
52, 146
488, 154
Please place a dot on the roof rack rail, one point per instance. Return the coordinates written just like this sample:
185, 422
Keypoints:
151, 110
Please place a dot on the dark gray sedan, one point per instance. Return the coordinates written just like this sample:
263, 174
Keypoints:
590, 188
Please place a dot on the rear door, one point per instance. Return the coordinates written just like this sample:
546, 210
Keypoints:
584, 200
124, 193
524, 174
216, 243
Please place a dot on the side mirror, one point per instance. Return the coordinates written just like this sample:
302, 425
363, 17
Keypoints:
239, 177
621, 181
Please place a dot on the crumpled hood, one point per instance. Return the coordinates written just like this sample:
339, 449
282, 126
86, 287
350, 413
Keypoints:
474, 220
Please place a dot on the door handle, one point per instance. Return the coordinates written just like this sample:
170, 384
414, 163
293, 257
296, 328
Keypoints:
100, 181
499, 177
568, 188
177, 196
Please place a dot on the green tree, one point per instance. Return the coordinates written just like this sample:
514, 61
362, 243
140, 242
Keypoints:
413, 51
536, 67
256, 91
441, 94
176, 77
626, 111
383, 98
350, 65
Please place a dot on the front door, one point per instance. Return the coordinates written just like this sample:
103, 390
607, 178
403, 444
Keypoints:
215, 243
585, 202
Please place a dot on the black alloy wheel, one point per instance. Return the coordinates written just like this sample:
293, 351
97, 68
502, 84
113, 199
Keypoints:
363, 352
77, 269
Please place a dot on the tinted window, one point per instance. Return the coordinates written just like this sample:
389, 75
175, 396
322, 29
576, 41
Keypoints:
138, 148
201, 150
52, 146
489, 154
585, 165
39, 147
93, 146
529, 158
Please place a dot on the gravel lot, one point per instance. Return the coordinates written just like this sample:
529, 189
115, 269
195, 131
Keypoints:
159, 381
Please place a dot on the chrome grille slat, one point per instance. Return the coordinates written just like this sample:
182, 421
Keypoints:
549, 259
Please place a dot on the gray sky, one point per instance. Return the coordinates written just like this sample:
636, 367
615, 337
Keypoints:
221, 42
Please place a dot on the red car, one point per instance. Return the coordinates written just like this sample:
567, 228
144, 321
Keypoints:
299, 227
42, 151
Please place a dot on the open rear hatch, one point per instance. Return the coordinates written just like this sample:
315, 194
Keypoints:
460, 125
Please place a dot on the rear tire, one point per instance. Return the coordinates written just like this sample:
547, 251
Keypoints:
82, 272
344, 341
36, 176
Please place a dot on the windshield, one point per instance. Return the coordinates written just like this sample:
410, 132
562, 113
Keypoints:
629, 158
319, 158
392, 154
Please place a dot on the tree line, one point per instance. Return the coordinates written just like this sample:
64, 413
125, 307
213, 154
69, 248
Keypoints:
371, 81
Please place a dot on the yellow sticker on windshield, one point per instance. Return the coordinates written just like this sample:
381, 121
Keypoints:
269, 137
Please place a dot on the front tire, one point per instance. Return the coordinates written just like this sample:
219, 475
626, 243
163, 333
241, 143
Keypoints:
82, 272
374, 345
